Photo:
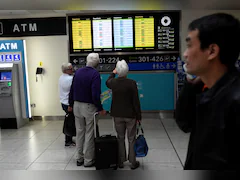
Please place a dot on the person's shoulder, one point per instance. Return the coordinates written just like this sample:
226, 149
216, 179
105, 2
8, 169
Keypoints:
235, 88
132, 81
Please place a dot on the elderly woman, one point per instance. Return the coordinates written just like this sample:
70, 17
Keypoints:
126, 111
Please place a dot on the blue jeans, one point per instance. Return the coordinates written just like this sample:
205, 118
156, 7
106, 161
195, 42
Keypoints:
68, 139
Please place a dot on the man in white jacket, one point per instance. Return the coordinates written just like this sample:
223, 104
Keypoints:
65, 82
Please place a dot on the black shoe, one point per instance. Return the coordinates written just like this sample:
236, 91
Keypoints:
135, 166
121, 165
68, 144
79, 163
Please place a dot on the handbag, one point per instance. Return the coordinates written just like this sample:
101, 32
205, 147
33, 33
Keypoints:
140, 147
69, 127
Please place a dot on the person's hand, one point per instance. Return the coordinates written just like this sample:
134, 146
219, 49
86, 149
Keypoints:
115, 71
102, 112
70, 109
194, 81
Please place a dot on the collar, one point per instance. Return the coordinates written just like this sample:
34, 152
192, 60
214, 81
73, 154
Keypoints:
219, 87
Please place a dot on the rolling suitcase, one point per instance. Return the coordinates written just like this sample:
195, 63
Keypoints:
106, 150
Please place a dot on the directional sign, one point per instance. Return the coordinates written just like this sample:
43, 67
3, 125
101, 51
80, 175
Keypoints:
81, 60
174, 66
2, 58
75, 68
8, 57
16, 57
152, 66
168, 66
162, 66
173, 58
75, 61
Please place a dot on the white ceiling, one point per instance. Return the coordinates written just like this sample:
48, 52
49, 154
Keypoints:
35, 12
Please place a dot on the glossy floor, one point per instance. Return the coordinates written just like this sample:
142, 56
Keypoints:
40, 146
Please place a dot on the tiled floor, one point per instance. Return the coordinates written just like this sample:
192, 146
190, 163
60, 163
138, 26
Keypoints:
40, 146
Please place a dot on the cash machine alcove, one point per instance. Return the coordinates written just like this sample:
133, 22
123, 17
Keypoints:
11, 97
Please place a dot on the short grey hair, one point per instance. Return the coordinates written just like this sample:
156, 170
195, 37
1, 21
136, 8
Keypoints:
122, 68
93, 60
66, 66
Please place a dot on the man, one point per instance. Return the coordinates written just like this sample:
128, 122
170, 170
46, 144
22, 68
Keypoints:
211, 116
85, 95
65, 82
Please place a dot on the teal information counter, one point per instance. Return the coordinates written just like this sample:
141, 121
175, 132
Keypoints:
156, 90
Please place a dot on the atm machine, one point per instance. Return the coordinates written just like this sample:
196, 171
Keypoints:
12, 97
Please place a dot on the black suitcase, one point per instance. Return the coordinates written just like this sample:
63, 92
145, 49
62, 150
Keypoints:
106, 150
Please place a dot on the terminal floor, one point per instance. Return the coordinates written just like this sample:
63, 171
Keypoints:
40, 146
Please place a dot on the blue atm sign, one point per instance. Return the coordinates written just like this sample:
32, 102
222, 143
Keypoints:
2, 58
16, 57
10, 57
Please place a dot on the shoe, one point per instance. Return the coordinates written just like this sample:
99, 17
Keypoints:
136, 165
91, 165
73, 143
79, 163
68, 144
121, 165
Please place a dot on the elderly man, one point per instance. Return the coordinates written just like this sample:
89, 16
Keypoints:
64, 85
85, 95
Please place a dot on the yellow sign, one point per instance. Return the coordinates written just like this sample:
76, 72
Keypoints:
144, 31
41, 63
81, 32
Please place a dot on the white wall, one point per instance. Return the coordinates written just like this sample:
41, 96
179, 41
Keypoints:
53, 51
190, 15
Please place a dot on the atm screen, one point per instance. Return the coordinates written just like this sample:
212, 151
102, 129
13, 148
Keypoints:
6, 76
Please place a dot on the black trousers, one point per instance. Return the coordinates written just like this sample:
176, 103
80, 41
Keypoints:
68, 139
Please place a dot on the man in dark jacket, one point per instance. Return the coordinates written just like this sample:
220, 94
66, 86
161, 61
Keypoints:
212, 116
84, 100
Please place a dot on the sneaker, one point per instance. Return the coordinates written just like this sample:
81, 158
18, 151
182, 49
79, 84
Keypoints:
136, 165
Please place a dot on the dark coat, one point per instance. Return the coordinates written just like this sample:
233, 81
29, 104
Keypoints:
213, 118
125, 99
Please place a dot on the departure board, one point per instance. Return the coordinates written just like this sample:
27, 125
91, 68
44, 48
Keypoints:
135, 32
81, 34
123, 32
102, 33
144, 32
167, 34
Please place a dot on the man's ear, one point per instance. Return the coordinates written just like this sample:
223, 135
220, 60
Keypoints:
213, 51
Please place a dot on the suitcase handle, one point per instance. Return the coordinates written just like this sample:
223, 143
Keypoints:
95, 123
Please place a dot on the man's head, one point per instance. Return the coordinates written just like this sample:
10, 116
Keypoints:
122, 68
67, 68
212, 39
93, 60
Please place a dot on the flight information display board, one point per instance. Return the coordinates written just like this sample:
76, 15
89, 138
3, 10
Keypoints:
81, 34
123, 33
144, 32
132, 32
102, 33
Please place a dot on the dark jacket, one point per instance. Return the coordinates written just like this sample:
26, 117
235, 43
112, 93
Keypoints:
213, 118
125, 99
86, 87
